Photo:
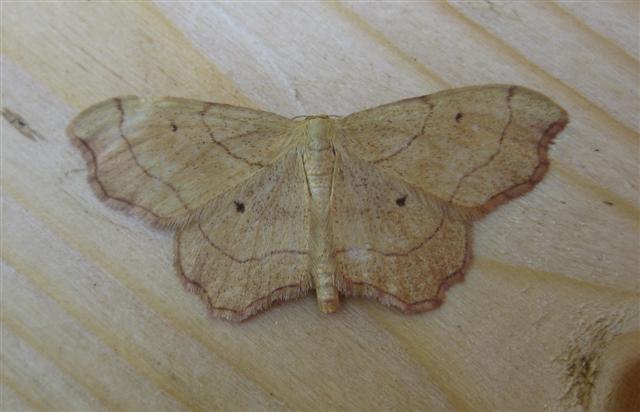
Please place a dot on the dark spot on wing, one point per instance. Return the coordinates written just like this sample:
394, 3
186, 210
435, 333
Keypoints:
459, 117
174, 127
608, 203
401, 201
239, 206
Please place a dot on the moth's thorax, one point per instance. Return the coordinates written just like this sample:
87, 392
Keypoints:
319, 157
319, 129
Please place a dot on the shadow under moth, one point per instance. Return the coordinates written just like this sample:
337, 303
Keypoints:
379, 203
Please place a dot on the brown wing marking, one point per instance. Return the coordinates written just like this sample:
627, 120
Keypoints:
113, 201
137, 162
279, 294
412, 139
251, 258
426, 240
224, 147
490, 159
536, 175
362, 288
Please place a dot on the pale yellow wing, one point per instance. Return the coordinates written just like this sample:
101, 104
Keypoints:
474, 147
165, 158
393, 241
249, 247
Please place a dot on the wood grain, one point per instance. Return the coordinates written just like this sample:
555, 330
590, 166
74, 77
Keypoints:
93, 316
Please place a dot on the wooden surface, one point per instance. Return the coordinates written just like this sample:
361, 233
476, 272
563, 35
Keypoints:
93, 316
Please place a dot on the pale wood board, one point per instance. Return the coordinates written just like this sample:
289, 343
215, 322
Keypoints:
93, 316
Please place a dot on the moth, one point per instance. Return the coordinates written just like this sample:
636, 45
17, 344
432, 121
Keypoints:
379, 203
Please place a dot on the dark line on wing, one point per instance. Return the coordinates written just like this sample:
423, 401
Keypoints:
137, 162
398, 254
202, 291
93, 162
498, 149
410, 142
538, 172
264, 297
243, 134
250, 259
222, 145
444, 284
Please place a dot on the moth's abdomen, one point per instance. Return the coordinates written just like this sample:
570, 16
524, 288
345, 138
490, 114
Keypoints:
319, 163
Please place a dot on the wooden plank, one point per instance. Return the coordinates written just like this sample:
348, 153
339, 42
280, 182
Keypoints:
616, 21
555, 275
49, 387
146, 54
11, 400
109, 381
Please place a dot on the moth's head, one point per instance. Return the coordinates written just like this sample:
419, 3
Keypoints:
315, 127
317, 116
303, 117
